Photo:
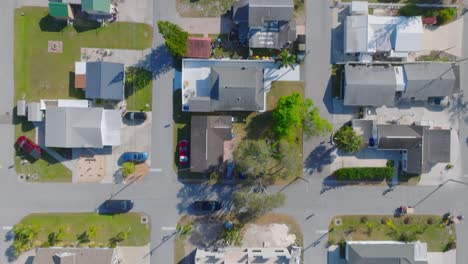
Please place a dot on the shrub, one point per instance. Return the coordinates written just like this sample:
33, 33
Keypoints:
449, 166
407, 220
390, 163
451, 244
364, 173
347, 140
364, 219
128, 168
175, 38
446, 15
384, 220
430, 221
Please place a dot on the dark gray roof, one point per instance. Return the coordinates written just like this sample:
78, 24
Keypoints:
207, 136
261, 11
386, 253
57, 255
237, 89
404, 137
104, 80
265, 23
436, 147
430, 80
369, 85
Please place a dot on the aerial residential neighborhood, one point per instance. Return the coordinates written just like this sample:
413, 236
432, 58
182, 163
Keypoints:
233, 131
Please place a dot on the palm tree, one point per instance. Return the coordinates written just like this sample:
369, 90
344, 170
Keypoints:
285, 59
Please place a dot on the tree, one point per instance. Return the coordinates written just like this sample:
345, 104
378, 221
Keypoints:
23, 238
249, 205
121, 236
253, 157
128, 168
289, 155
347, 140
446, 15
175, 38
184, 229
285, 59
293, 112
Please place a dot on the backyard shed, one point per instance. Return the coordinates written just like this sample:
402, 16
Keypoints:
34, 112
21, 108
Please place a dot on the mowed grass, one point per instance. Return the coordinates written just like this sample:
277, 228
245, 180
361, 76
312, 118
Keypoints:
436, 235
76, 223
47, 168
40, 74
139, 100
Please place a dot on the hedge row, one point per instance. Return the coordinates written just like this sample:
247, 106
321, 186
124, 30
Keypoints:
364, 173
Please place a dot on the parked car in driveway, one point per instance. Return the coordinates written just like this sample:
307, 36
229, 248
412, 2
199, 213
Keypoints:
183, 153
28, 147
135, 157
139, 117
207, 206
115, 207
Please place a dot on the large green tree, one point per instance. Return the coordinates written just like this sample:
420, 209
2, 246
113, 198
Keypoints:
249, 205
347, 140
253, 157
293, 112
175, 38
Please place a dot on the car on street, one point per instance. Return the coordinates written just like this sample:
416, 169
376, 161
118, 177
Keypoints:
138, 117
207, 206
115, 207
28, 147
135, 157
183, 153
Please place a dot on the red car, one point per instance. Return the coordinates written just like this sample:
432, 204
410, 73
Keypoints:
183, 152
28, 147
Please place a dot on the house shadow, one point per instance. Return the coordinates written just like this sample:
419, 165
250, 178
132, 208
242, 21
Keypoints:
190, 258
82, 25
158, 62
337, 38
50, 24
226, 23
260, 126
178, 115
72, 91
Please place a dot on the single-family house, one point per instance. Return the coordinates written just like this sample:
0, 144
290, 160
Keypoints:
222, 86
208, 134
381, 36
386, 84
82, 127
198, 48
96, 9
56, 255
385, 252
265, 23
60, 9
421, 147
244, 256
104, 80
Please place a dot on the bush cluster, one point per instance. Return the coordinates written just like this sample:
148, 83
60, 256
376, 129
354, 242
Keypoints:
364, 173
444, 15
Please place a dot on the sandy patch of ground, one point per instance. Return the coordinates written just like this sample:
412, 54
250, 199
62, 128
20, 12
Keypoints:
91, 168
273, 235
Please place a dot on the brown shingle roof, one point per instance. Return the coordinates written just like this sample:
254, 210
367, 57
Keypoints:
198, 48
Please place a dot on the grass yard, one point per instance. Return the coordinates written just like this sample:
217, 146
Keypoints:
203, 8
47, 168
355, 227
258, 125
138, 89
77, 223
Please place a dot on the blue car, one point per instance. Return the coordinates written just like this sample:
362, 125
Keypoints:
135, 157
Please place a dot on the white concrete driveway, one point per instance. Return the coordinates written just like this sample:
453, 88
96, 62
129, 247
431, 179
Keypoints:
447, 38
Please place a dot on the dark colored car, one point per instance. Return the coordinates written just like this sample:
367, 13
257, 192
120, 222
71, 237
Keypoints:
207, 206
135, 157
28, 147
183, 152
136, 116
300, 47
116, 207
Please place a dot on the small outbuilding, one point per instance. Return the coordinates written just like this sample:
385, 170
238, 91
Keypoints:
198, 48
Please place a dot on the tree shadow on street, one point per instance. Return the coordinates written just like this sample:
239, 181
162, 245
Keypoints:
159, 61
197, 192
319, 158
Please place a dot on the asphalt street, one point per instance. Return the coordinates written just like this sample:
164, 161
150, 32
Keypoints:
165, 199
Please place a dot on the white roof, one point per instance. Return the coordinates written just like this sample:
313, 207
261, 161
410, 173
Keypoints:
110, 127
34, 112
80, 67
359, 7
370, 34
21, 108
63, 103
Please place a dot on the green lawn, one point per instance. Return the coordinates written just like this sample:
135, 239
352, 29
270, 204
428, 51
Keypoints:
436, 235
77, 223
203, 8
48, 169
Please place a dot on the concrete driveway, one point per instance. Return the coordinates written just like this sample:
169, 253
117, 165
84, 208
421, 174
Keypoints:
444, 38
140, 11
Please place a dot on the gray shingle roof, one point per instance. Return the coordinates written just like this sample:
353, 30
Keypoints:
75, 127
104, 80
385, 253
207, 136
369, 85
237, 89
436, 147
74, 255
430, 80
270, 10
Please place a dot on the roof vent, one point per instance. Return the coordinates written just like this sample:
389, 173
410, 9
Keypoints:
238, 98
243, 68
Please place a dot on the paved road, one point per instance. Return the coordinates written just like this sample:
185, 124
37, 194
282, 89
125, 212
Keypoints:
164, 199
463, 134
